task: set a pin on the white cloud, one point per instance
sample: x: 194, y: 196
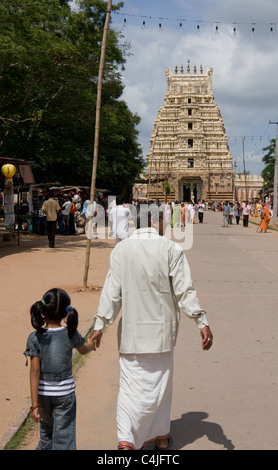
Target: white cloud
x: 245, y: 68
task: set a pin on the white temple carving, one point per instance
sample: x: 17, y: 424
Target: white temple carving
x: 189, y: 150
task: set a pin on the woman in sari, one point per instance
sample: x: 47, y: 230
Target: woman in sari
x: 182, y: 214
x: 265, y: 218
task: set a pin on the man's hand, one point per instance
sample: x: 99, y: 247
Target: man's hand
x: 207, y: 338
x: 96, y: 336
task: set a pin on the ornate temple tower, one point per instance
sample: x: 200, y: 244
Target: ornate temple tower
x: 189, y: 150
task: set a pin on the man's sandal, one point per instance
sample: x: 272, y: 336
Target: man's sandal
x: 125, y: 446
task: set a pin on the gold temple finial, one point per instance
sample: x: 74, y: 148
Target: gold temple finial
x: 176, y: 69
x: 188, y: 66
x: 182, y: 70
x: 201, y: 69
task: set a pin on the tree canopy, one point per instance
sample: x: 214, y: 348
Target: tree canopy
x: 49, y: 59
x: 269, y: 160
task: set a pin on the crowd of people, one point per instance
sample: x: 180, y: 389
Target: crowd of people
x: 175, y: 214
x: 232, y: 212
x: 71, y: 214
x: 68, y: 214
x: 181, y: 213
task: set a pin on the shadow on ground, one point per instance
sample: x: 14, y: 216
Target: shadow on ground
x: 193, y: 426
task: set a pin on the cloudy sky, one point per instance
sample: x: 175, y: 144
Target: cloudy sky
x: 217, y: 34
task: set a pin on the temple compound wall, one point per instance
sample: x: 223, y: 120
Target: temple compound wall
x: 189, y: 155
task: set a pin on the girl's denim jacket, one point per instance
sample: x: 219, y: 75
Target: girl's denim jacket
x: 54, y: 348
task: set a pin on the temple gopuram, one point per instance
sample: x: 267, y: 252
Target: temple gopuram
x: 189, y: 157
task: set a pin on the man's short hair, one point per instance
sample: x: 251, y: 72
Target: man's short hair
x: 148, y: 215
x: 119, y: 200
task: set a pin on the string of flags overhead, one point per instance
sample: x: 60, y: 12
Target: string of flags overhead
x: 250, y: 138
x: 181, y: 21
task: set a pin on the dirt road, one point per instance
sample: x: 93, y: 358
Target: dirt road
x: 222, y: 399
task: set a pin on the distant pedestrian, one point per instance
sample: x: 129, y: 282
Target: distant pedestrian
x: 192, y: 212
x: 226, y: 213
x: 183, y: 214
x: 265, y: 218
x: 119, y: 218
x: 90, y: 210
x: 176, y: 215
x: 231, y: 214
x: 42, y: 226
x: 51, y: 382
x: 237, y: 213
x: 51, y: 208
x: 168, y: 214
x: 64, y: 219
x: 72, y: 217
x: 201, y: 208
x: 245, y: 213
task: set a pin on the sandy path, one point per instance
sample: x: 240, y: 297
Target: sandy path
x: 222, y: 399
x: 29, y: 270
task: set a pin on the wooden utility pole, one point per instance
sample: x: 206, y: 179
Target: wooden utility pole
x: 243, y: 156
x: 96, y: 143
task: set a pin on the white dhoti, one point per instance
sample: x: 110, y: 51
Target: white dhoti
x: 145, y: 396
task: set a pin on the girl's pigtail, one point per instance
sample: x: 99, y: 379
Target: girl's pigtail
x: 37, y: 319
x: 72, y: 320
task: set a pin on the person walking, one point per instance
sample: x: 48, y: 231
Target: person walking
x: 176, y: 215
x: 265, y: 218
x: 232, y: 213
x: 51, y: 382
x: 64, y: 219
x: 168, y: 213
x: 51, y: 208
x: 237, y: 213
x: 201, y: 208
x: 183, y: 214
x: 226, y: 213
x: 72, y: 217
x: 90, y: 210
x: 119, y: 217
x: 245, y: 213
x: 149, y: 279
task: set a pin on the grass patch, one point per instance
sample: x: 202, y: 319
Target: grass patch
x: 258, y: 224
x: 23, y: 436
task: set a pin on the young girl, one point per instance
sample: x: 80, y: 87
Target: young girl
x: 51, y: 381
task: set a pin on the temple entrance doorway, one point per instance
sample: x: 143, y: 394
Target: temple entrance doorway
x: 190, y: 193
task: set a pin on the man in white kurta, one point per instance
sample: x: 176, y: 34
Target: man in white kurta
x: 149, y: 280
x: 119, y: 217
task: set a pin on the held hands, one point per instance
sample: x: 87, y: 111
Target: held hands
x: 207, y: 338
x: 95, y: 338
x: 92, y: 343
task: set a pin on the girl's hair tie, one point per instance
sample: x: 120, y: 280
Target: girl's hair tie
x: 68, y: 307
x: 42, y: 301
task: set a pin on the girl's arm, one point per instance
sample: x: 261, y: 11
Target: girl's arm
x: 34, y: 387
x: 89, y: 346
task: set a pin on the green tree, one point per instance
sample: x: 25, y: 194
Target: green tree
x: 269, y: 160
x: 49, y: 58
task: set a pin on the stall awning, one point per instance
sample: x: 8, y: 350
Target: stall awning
x: 24, y: 170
